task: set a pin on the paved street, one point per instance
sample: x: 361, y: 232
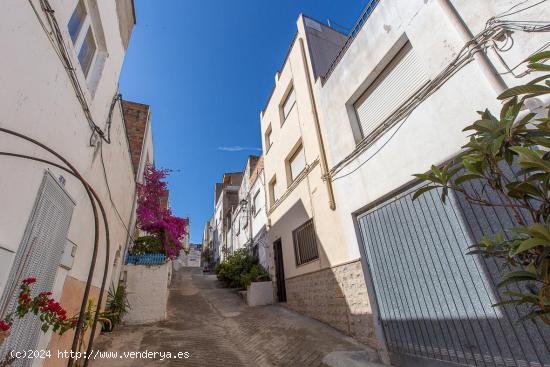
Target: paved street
x: 217, y: 329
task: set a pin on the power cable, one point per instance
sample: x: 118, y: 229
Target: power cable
x: 55, y: 36
x: 479, y: 43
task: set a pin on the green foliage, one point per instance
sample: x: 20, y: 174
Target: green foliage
x: 239, y: 269
x: 513, y: 141
x: 256, y: 274
x: 147, y: 245
x: 117, y: 305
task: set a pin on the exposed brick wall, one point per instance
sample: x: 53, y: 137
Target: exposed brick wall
x: 136, y: 116
x: 336, y: 296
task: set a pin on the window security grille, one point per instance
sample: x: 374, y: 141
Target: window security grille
x: 305, y: 243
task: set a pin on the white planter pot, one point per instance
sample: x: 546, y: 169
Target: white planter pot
x: 259, y: 293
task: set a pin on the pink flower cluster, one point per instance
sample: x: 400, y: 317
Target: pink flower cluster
x: 153, y: 214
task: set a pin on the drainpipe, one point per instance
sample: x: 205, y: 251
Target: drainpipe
x: 489, y: 71
x: 323, y: 158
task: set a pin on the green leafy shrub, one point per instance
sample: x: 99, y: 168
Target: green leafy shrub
x: 256, y: 274
x: 147, y: 245
x: 517, y: 142
x: 234, y: 266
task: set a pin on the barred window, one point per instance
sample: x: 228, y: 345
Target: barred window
x: 305, y: 243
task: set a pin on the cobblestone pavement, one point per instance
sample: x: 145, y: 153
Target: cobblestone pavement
x: 216, y: 328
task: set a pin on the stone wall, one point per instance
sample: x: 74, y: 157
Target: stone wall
x: 336, y: 296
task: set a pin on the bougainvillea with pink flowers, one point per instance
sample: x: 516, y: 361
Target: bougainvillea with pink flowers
x: 154, y: 216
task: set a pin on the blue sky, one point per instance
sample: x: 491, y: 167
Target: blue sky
x: 206, y: 68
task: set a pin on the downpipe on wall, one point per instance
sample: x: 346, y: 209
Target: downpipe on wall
x: 489, y: 71
x: 323, y: 155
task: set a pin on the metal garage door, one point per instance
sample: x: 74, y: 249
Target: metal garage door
x: 38, y: 255
x: 434, y: 302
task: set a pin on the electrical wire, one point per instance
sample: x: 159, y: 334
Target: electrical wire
x: 55, y: 36
x: 480, y: 43
x: 91, y: 195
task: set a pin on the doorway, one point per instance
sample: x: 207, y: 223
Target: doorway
x: 279, y: 270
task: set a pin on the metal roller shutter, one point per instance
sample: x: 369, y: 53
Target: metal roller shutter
x: 394, y: 86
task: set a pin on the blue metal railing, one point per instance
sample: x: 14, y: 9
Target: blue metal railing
x: 146, y: 259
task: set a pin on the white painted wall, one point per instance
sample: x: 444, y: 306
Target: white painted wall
x: 432, y: 134
x: 37, y: 99
x: 147, y: 292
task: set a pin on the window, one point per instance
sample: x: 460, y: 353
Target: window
x: 87, y: 52
x: 257, y: 205
x: 400, y: 79
x: 289, y: 103
x: 274, y: 195
x: 77, y: 20
x: 268, y: 141
x: 88, y: 40
x: 305, y: 243
x: 297, y: 163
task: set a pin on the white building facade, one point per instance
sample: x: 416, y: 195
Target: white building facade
x: 395, y: 101
x: 60, y: 87
x: 249, y: 219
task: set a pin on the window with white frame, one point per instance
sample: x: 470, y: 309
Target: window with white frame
x: 288, y: 104
x: 297, y: 163
x: 87, y: 52
x: 257, y: 203
x: 77, y: 20
x: 268, y: 140
x: 82, y: 36
x: 273, y: 194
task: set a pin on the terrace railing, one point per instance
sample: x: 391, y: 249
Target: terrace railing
x: 369, y: 8
x: 146, y: 259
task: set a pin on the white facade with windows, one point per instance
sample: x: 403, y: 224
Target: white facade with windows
x: 395, y: 102
x: 249, y: 219
x: 50, y: 212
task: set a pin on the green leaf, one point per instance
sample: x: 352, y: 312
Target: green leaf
x: 539, y: 79
x: 422, y: 191
x: 529, y: 244
x: 539, y: 67
x: 524, y: 89
x: 539, y: 56
x: 517, y: 276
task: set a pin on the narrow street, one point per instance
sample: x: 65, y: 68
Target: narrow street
x: 216, y: 328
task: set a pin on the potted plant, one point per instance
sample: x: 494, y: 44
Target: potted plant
x: 117, y: 306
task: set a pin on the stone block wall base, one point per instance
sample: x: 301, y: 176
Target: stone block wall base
x: 338, y: 297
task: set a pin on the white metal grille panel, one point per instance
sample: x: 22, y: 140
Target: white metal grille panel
x: 401, y: 79
x: 38, y: 255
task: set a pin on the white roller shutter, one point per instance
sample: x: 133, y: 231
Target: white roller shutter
x: 393, y: 87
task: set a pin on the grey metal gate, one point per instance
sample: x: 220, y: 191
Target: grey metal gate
x: 38, y: 255
x: 435, y: 302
